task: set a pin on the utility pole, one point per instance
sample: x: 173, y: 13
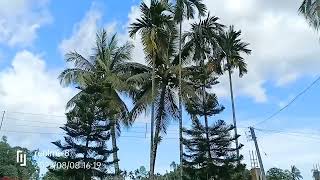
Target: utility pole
x: 2, y: 119
x: 254, y: 138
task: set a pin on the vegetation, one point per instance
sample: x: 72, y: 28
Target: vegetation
x: 310, y: 10
x: 209, y: 153
x: 167, y: 75
x: 184, y: 9
x: 103, y: 67
x: 181, y: 70
x: 10, y: 168
x: 85, y: 152
x: 276, y: 174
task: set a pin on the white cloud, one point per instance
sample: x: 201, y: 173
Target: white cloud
x: 84, y: 33
x: 286, y: 149
x: 137, y: 53
x: 284, y: 47
x: 21, y: 19
x: 28, y: 86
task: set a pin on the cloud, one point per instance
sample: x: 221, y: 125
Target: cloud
x: 21, y: 19
x: 285, y: 149
x: 84, y: 33
x: 137, y: 53
x: 28, y: 86
x: 280, y: 55
x: 284, y: 47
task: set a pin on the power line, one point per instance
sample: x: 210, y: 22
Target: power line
x: 296, y: 134
x: 12, y: 118
x: 53, y: 133
x: 23, y: 120
x: 291, y: 102
x: 37, y: 114
x: 283, y: 131
x: 127, y: 130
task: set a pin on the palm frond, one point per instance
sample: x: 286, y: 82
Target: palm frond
x: 310, y: 9
x: 187, y: 9
x: 79, y: 61
x: 74, y: 76
x: 121, y: 54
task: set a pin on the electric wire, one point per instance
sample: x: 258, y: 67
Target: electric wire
x: 290, y: 102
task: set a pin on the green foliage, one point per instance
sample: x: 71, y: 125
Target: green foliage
x: 9, y: 166
x: 310, y: 10
x: 212, y: 157
x: 85, y: 144
x: 104, y: 69
x: 280, y: 174
x: 159, y: 36
x: 186, y: 9
x: 295, y: 173
x: 50, y: 176
x: 232, y: 48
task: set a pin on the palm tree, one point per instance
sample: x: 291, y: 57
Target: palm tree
x: 232, y: 48
x: 102, y: 68
x: 159, y: 36
x: 295, y: 173
x: 202, y: 38
x: 184, y: 9
x: 310, y: 9
x: 166, y: 86
x: 152, y: 25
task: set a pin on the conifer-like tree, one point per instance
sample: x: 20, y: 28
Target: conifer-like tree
x: 85, y: 151
x: 209, y: 151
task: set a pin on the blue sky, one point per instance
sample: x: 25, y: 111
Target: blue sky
x: 34, y: 35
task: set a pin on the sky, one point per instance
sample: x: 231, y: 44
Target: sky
x: 35, y: 35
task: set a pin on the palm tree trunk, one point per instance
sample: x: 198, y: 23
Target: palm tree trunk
x: 207, y: 133
x: 158, y: 124
x: 206, y: 118
x: 85, y: 156
x: 115, y: 149
x: 233, y: 109
x: 180, y: 103
x: 152, y: 118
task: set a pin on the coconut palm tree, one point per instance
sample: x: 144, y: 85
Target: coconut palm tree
x: 310, y: 9
x: 153, y: 23
x: 184, y: 9
x: 231, y: 58
x: 102, y: 68
x: 159, y: 37
x: 166, y: 88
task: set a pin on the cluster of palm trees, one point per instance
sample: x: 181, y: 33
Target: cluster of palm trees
x: 168, y: 82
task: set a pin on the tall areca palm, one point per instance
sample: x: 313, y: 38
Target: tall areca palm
x: 159, y: 36
x: 311, y: 11
x: 184, y: 9
x: 101, y: 68
x: 152, y: 26
x: 203, y: 39
x: 232, y: 48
